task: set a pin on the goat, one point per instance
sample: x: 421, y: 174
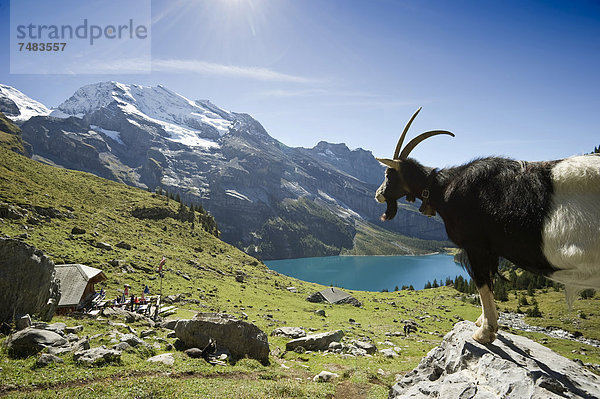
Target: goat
x: 542, y: 216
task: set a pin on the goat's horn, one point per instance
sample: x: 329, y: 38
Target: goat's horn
x: 413, y: 143
x: 399, y: 145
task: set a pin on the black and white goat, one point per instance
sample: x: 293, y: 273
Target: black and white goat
x: 542, y: 216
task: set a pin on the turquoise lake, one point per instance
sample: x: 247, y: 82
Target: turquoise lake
x: 370, y: 273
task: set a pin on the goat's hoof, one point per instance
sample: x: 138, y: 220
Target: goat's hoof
x: 484, y: 335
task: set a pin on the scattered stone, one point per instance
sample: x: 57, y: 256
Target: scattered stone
x: 77, y: 230
x: 389, y: 353
x: 186, y: 277
x: 165, y: 358
x: 289, y: 332
x: 316, y: 342
x: 320, y: 312
x: 366, y: 346
x: 47, y: 359
x: 123, y: 245
x: 30, y: 341
x: 74, y: 330
x: 19, y: 262
x: 169, y: 324
x: 23, y: 322
x: 238, y: 337
x: 122, y: 346
x: 97, y: 356
x: 512, y: 367
x: 147, y: 333
x: 335, y: 346
x: 116, y: 262
x: 292, y: 289
x: 103, y: 245
x: 132, y: 340
x: 325, y: 376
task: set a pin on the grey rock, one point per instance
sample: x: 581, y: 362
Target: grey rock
x: 325, y: 376
x: 165, y: 358
x: 58, y: 328
x: 316, y: 342
x: 103, y: 245
x: 28, y: 284
x: 123, y: 245
x: 147, y: 333
x: 23, y: 322
x: 335, y: 346
x: 366, y: 346
x: 74, y: 330
x: 122, y: 346
x: 289, y: 332
x: 512, y: 367
x: 96, y: 356
x: 388, y: 352
x: 169, y: 324
x: 31, y: 341
x: 238, y: 337
x: 132, y: 340
x: 320, y: 312
x: 77, y: 230
x: 47, y: 359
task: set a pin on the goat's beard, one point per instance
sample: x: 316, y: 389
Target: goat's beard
x: 390, y: 212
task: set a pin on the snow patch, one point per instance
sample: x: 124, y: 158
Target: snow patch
x: 27, y: 106
x: 116, y: 136
x: 238, y: 195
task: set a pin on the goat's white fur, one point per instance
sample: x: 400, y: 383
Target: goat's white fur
x: 571, y: 232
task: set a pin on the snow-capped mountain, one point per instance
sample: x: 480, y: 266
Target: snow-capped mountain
x: 268, y: 199
x: 17, y: 106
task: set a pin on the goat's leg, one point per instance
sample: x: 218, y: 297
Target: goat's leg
x: 488, y: 321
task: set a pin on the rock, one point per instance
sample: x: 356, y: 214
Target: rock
x: 238, y: 337
x: 389, y: 353
x: 289, y: 332
x: 8, y: 211
x: 47, y: 359
x: 194, y: 353
x: 116, y: 262
x: 74, y: 329
x: 366, y: 346
x: 97, y: 356
x: 123, y: 245
x: 169, y: 324
x: 320, y: 312
x: 165, y: 358
x: 122, y: 346
x: 316, y: 342
x: 77, y: 230
x: 31, y: 341
x: 132, y: 340
x: 293, y: 290
x: 28, y: 284
x: 103, y: 245
x: 335, y: 346
x: 325, y: 376
x: 23, y: 322
x: 511, y: 367
x: 58, y: 328
x: 147, y: 333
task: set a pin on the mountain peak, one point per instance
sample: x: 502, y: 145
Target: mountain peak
x: 19, y: 107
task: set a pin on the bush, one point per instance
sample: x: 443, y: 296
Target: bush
x: 534, y: 312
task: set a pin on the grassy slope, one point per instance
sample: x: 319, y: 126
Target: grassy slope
x: 103, y: 209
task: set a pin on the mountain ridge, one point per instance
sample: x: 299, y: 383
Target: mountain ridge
x: 152, y: 137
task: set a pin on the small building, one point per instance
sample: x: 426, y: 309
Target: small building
x: 333, y: 295
x: 76, y: 284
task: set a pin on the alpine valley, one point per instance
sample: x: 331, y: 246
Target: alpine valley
x: 270, y: 200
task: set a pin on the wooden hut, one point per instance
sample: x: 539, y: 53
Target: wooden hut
x: 76, y: 285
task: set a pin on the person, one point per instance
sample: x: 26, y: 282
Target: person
x: 131, y: 300
x: 146, y: 290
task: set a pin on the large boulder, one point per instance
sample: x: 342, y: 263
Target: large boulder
x: 238, y: 337
x: 511, y: 367
x: 27, y: 282
x: 30, y: 341
x: 97, y: 356
x: 315, y: 342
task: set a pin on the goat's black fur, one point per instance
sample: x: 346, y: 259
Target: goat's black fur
x: 491, y: 207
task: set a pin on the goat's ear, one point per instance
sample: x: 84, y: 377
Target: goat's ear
x: 391, y: 163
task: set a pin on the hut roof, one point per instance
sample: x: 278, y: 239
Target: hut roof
x: 333, y: 295
x: 73, y: 280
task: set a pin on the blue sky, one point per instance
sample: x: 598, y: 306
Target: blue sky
x: 510, y: 78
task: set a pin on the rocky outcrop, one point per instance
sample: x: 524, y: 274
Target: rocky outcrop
x: 27, y: 282
x: 239, y: 338
x: 289, y: 332
x: 97, y: 356
x: 315, y: 342
x: 30, y: 341
x: 511, y: 367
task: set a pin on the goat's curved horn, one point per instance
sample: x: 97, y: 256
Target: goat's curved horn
x: 403, y: 135
x: 413, y: 143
